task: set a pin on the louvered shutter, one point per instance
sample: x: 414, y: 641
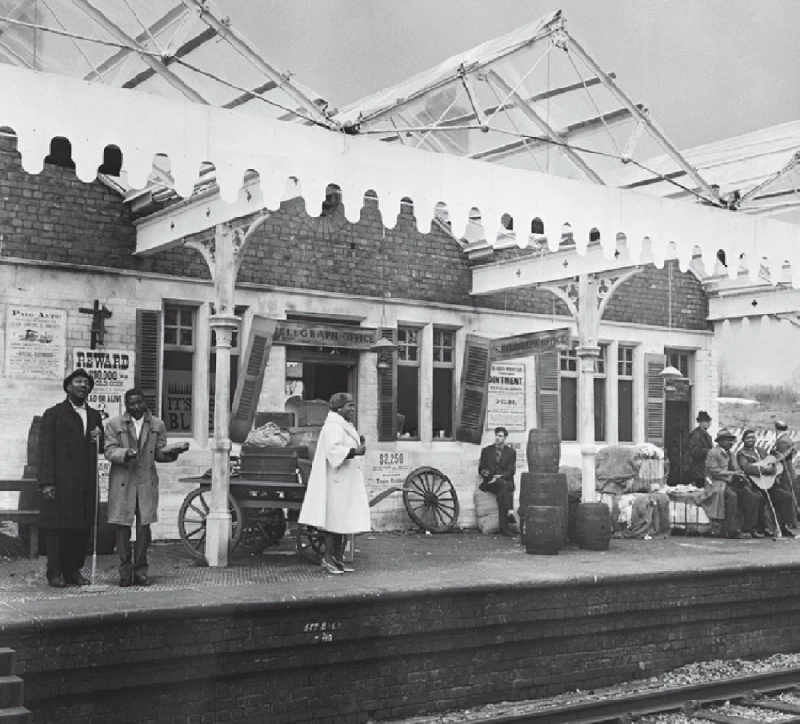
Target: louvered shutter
x: 387, y: 393
x: 654, y: 394
x: 251, y: 377
x: 471, y: 410
x: 548, y: 392
x: 148, y: 360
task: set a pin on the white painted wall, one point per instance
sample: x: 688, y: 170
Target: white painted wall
x: 124, y: 292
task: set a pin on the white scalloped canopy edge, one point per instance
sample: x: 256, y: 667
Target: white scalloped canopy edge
x: 93, y: 116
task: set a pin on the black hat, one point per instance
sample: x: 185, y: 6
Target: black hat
x: 80, y: 372
x: 703, y: 416
x: 780, y: 425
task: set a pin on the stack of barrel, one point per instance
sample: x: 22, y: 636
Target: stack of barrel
x: 544, y: 502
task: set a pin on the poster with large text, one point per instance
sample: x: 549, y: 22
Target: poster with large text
x: 505, y: 404
x: 386, y: 469
x: 36, y: 342
x: 113, y: 372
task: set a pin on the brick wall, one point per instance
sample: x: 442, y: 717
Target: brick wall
x: 55, y: 217
x: 379, y: 657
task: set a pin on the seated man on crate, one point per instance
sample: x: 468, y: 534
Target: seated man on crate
x: 497, y: 467
x: 730, y: 502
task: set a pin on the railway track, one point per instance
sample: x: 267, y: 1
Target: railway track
x: 718, y: 701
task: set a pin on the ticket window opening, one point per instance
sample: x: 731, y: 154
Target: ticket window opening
x: 315, y: 380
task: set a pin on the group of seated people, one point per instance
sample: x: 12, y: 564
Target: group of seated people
x: 749, y: 494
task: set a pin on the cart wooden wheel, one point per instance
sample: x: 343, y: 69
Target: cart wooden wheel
x: 310, y: 543
x: 192, y: 521
x: 263, y: 527
x: 430, y: 499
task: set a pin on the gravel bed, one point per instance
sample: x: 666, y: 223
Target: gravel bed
x: 696, y: 673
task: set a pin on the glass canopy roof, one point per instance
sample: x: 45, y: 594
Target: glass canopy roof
x: 178, y: 48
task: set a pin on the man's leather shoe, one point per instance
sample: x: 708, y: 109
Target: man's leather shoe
x: 58, y: 581
x: 141, y: 580
x: 124, y: 582
x: 77, y: 579
x: 756, y: 534
x: 787, y: 533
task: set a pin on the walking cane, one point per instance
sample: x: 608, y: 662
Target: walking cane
x: 95, y: 587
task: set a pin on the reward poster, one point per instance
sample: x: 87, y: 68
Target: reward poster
x: 112, y: 371
x: 36, y: 342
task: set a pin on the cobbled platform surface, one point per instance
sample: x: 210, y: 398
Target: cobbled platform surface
x: 386, y: 563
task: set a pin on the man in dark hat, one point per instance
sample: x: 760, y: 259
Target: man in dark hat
x: 70, y: 435
x: 699, y: 445
x: 730, y: 501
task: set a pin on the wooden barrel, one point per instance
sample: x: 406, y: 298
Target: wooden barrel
x: 544, y: 529
x: 593, y: 526
x: 547, y: 489
x: 543, y: 450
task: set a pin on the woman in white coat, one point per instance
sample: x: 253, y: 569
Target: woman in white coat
x: 336, y: 497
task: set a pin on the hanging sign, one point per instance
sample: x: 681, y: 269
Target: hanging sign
x: 505, y: 404
x: 112, y: 372
x: 525, y: 345
x: 36, y: 342
x: 307, y: 334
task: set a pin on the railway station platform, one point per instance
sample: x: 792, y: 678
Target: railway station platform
x: 428, y: 623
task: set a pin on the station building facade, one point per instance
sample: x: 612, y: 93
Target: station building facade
x: 333, y: 286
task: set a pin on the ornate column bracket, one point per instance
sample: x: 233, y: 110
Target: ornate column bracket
x: 607, y: 284
x: 223, y: 253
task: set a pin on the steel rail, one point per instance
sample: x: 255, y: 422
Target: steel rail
x: 651, y: 702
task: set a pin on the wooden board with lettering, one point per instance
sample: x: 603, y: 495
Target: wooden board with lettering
x: 532, y: 343
x: 306, y: 334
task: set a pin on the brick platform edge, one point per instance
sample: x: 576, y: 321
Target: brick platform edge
x: 348, y: 659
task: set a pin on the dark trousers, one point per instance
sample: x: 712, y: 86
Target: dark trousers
x: 742, y: 507
x: 783, y: 503
x: 504, y: 490
x: 133, y: 562
x: 66, y: 551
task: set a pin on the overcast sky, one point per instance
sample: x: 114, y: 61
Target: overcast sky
x: 707, y: 69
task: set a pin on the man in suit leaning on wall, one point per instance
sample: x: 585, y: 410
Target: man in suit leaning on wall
x: 497, y: 467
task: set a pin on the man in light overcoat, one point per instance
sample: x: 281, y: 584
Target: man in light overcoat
x: 134, y: 442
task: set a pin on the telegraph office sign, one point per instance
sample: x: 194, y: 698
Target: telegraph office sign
x: 308, y: 334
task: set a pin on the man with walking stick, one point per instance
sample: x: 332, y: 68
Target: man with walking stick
x: 135, y: 442
x: 70, y: 434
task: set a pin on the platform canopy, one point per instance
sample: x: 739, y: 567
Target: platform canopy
x: 758, y: 173
x: 173, y: 130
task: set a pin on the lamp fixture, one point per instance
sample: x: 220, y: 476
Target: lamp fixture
x: 383, y: 344
x: 670, y: 373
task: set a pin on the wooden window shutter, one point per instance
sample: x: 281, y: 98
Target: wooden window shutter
x: 548, y: 392
x: 148, y: 359
x: 387, y: 394
x: 654, y: 394
x: 251, y: 377
x: 471, y: 410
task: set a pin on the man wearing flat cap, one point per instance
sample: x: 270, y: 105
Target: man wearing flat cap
x: 68, y: 443
x: 784, y: 450
x: 729, y: 501
x: 699, y: 444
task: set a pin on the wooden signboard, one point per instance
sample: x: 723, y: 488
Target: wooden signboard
x: 525, y: 345
x: 308, y: 334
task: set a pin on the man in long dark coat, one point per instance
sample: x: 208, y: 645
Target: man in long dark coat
x: 70, y: 434
x: 699, y: 444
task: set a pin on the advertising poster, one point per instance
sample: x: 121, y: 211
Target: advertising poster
x: 506, y: 399
x: 386, y: 469
x: 113, y: 372
x: 36, y: 342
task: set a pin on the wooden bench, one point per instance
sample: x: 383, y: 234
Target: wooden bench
x: 23, y: 518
